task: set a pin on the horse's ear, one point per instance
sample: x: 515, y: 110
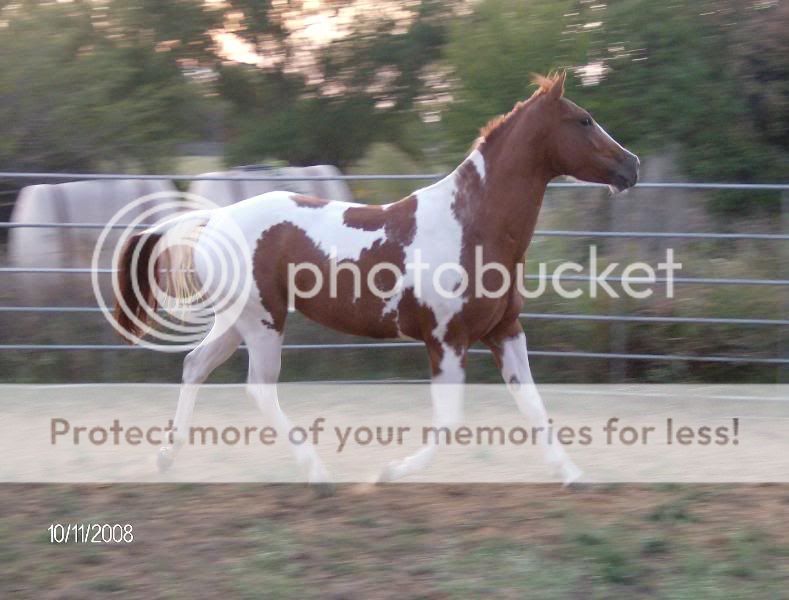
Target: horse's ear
x: 557, y: 89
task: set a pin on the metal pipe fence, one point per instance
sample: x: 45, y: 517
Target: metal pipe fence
x: 538, y: 232
x: 528, y: 315
x: 238, y: 176
x: 253, y: 175
x: 404, y: 345
x: 576, y: 278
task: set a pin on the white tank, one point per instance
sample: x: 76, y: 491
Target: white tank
x: 236, y: 188
x: 73, y: 202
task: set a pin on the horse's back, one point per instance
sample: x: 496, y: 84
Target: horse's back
x: 323, y: 220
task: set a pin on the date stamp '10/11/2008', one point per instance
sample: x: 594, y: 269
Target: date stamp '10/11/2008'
x: 91, y: 533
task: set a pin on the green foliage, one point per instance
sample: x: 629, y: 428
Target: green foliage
x: 493, y: 53
x: 277, y: 115
x: 685, y: 88
x: 383, y: 158
x: 358, y: 90
x: 75, y: 97
x: 676, y: 72
x: 105, y: 83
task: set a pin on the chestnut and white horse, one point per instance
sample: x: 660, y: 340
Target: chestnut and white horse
x: 489, y: 204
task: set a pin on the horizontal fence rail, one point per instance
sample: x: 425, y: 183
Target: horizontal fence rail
x: 395, y: 345
x: 549, y: 316
x: 537, y: 232
x: 577, y: 278
x: 241, y: 176
x: 552, y: 316
x: 260, y: 175
x: 651, y: 319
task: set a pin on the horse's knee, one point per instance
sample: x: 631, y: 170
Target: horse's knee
x: 193, y: 369
x: 265, y: 396
x: 264, y: 372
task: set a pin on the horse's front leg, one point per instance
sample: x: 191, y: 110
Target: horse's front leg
x: 446, y: 391
x: 509, y: 349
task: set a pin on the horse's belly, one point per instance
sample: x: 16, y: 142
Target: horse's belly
x: 363, y: 317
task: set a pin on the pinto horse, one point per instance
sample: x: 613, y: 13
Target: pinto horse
x: 489, y: 205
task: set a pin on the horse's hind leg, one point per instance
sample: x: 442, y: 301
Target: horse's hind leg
x: 265, y: 349
x: 198, y: 365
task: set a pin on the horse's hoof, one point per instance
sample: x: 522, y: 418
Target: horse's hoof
x: 164, y: 459
x: 323, y: 489
x: 363, y: 489
x: 386, y: 475
x: 577, y: 486
x: 570, y: 474
x: 573, y: 479
x: 397, y: 469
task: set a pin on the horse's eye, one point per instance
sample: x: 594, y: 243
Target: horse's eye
x: 587, y: 121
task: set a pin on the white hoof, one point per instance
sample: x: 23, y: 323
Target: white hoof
x: 570, y: 473
x: 390, y: 472
x: 320, y: 480
x: 165, y: 458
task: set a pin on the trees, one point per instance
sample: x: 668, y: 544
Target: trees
x: 79, y: 94
x: 92, y: 84
x: 690, y: 72
x: 356, y: 90
x: 492, y: 53
x: 278, y: 115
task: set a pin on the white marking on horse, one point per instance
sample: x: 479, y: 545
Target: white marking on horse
x: 325, y: 227
x: 438, y: 241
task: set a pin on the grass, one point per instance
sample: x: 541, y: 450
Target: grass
x: 413, y: 541
x: 272, y: 568
x: 675, y: 511
x: 504, y: 568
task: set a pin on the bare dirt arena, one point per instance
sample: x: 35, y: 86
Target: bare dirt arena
x: 400, y: 540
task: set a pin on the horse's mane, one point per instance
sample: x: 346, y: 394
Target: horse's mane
x: 545, y: 84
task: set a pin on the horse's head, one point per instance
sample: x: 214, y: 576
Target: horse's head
x: 576, y: 144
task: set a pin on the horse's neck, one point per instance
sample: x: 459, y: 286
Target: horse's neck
x: 496, y: 200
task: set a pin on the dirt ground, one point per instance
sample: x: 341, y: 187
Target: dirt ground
x: 400, y: 540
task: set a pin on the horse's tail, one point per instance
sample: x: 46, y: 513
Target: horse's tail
x: 141, y: 266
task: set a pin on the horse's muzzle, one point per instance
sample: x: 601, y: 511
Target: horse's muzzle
x: 625, y: 175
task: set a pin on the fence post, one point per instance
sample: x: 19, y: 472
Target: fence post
x: 783, y: 345
x: 618, y: 220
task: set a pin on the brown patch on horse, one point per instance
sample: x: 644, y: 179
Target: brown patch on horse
x: 368, y: 218
x: 469, y: 191
x: 286, y: 243
x: 418, y: 321
x: 398, y: 219
x: 308, y: 201
x: 401, y: 227
x: 270, y: 275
